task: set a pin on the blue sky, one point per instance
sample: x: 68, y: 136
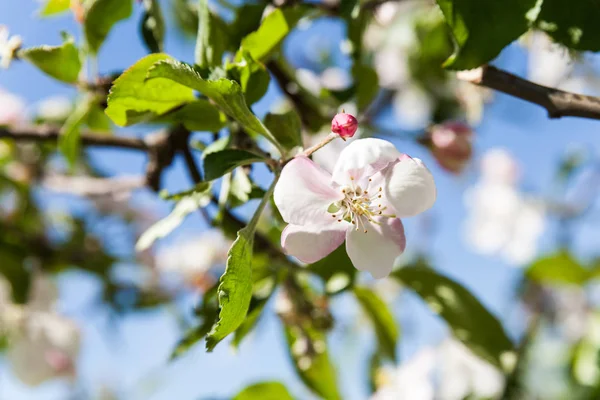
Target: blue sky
x: 133, y: 358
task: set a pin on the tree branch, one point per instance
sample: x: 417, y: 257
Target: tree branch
x: 41, y: 133
x: 558, y: 103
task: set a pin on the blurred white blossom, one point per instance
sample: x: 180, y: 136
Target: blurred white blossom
x: 549, y: 63
x: 12, y: 108
x: 44, y: 346
x: 449, y: 371
x: 413, y: 107
x: 332, y: 78
x: 55, y: 108
x: 501, y: 219
x: 193, y: 257
x: 8, y: 46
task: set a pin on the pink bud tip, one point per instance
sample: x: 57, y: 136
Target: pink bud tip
x: 344, y: 125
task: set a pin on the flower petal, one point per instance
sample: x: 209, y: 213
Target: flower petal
x: 376, y: 250
x: 363, y: 158
x: 410, y: 187
x: 303, y: 193
x: 312, y: 243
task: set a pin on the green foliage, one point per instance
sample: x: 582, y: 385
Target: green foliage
x: 286, y: 127
x: 100, y: 17
x: 273, y: 29
x: 152, y: 26
x: 576, y: 27
x: 69, y: 141
x: 211, y: 39
x: 219, y: 163
x: 469, y: 320
x: 133, y: 99
x: 235, y: 285
x: 559, y: 268
x: 336, y: 270
x: 198, y: 115
x: 60, y: 62
x: 226, y: 93
x: 314, y: 367
x: 53, y: 7
x: 264, y: 391
x: 482, y: 28
x: 247, y: 20
x: 366, y: 85
x: 185, y: 206
x: 382, y: 319
x: 251, y: 75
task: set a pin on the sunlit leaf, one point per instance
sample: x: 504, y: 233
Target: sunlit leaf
x: 100, y: 17
x: 199, y: 115
x: 60, y: 62
x: 133, y: 99
x: 382, y: 319
x: 469, y: 320
x: 226, y: 93
x: 53, y: 7
x: 286, y: 127
x: 559, y: 268
x: 182, y: 209
x: 252, y: 76
x: 264, y: 391
x: 69, y: 140
x: 210, y: 40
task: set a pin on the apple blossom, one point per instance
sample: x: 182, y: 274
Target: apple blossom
x: 451, y: 145
x: 372, y: 186
x: 12, y: 108
x: 8, y: 46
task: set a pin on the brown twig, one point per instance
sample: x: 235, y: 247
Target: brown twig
x: 40, y: 133
x: 558, y: 103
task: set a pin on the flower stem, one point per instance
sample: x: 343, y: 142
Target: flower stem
x: 308, y: 152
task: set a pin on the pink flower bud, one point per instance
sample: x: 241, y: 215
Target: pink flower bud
x: 451, y: 145
x: 344, y: 125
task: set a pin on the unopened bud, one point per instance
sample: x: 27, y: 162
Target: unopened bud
x: 345, y: 125
x: 451, y: 145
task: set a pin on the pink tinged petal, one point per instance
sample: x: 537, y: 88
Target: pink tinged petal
x: 410, y: 187
x: 303, y: 193
x: 362, y: 159
x: 309, y: 244
x: 377, y: 250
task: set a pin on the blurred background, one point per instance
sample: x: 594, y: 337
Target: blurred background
x: 514, y: 223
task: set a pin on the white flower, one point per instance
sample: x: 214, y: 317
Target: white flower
x: 45, y: 347
x: 549, y: 63
x: 463, y: 374
x: 8, y: 46
x: 12, y: 108
x: 412, y: 380
x: 413, y: 107
x: 372, y: 186
x: 501, y: 219
x: 55, y: 108
x: 193, y: 257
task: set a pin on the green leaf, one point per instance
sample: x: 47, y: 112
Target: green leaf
x: 182, y: 209
x: 132, y: 99
x: 257, y: 303
x: 366, y: 85
x: 69, y: 140
x: 252, y: 76
x: 382, y: 319
x: 152, y: 26
x: 226, y: 93
x: 336, y: 269
x: 574, y: 24
x: 199, y: 115
x: 211, y: 39
x: 482, y: 28
x: 235, y: 287
x: 469, y: 320
x: 273, y: 29
x: 315, y: 370
x: 219, y: 163
x: 559, y: 268
x: 201, y: 187
x: 97, y: 120
x: 53, y: 7
x: 100, y: 17
x: 247, y: 20
x: 60, y: 62
x: 286, y: 127
x: 264, y: 391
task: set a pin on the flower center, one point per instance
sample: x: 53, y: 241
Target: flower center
x: 360, y: 206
